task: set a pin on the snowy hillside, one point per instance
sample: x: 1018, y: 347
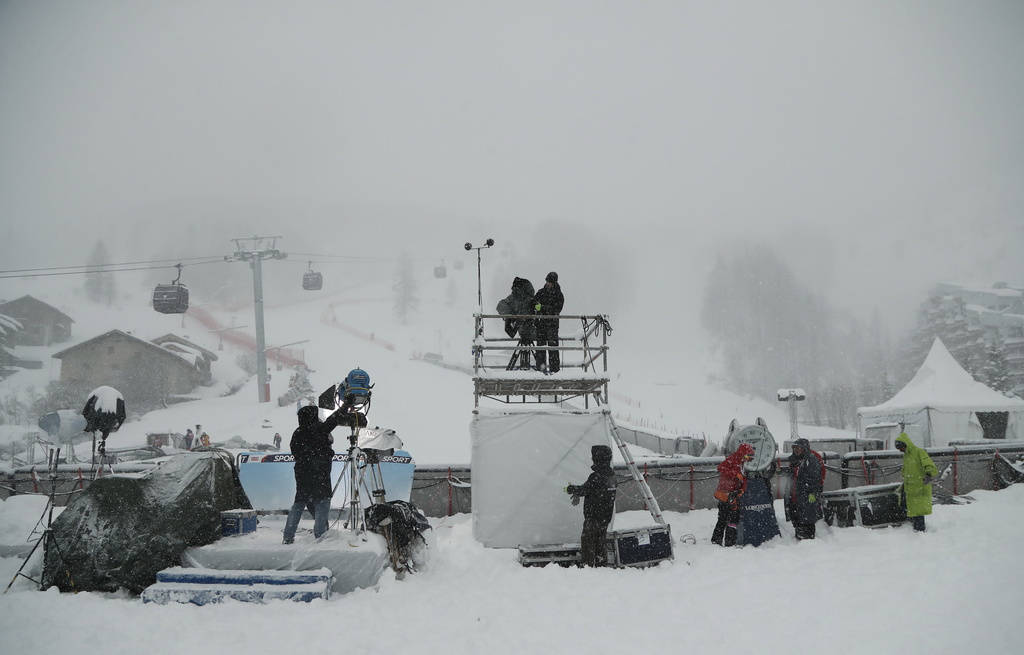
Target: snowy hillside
x: 429, y: 406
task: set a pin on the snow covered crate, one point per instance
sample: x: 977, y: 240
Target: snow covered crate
x: 237, y: 521
x: 872, y: 506
x: 561, y: 554
x: 640, y: 546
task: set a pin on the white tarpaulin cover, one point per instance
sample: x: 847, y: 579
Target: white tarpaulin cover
x: 939, y: 404
x: 521, y: 462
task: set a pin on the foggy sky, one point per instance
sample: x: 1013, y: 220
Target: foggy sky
x: 878, y: 146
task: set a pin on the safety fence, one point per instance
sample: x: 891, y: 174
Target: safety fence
x: 678, y: 484
x: 686, y: 483
x: 283, y: 356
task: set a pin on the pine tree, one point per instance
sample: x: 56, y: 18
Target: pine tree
x: 99, y: 285
x: 995, y: 371
x: 405, y: 288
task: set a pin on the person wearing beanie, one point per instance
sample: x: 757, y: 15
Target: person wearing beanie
x: 548, y: 302
x: 803, y: 502
x: 598, y: 506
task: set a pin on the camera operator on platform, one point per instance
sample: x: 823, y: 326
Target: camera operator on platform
x: 311, y: 447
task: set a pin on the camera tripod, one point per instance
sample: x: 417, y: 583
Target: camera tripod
x: 357, y: 481
x: 360, y: 461
x: 47, y: 539
x: 521, y: 357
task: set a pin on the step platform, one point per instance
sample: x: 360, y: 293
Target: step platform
x: 544, y: 554
x: 355, y: 560
x: 205, y: 586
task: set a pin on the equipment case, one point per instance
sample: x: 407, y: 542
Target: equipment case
x: 639, y: 546
x: 870, y: 506
x: 237, y: 521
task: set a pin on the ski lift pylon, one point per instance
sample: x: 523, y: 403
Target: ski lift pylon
x: 171, y: 298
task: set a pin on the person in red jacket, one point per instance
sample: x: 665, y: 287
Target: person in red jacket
x: 732, y: 482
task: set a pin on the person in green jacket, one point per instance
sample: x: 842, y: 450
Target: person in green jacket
x: 918, y: 471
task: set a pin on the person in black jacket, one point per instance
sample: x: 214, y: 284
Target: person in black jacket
x: 311, y: 447
x: 598, y: 506
x: 548, y: 301
x: 803, y: 502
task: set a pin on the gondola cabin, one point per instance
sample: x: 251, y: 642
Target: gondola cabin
x: 170, y: 298
x: 440, y: 271
x: 312, y: 281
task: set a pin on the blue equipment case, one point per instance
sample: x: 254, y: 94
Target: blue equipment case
x: 237, y: 521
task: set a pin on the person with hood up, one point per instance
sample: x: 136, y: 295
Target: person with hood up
x: 520, y: 302
x: 918, y: 471
x: 732, y: 482
x: 548, y: 301
x: 598, y: 506
x: 189, y: 438
x: 803, y: 502
x: 311, y: 448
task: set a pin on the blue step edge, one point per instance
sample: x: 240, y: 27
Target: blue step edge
x: 242, y: 577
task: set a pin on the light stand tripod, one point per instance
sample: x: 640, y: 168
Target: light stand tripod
x: 104, y: 460
x: 46, y: 539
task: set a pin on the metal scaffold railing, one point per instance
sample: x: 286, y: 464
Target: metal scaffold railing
x: 501, y: 369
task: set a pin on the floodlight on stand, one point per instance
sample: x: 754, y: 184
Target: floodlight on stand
x: 479, y: 293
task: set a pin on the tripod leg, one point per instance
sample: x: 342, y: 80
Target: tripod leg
x: 21, y: 568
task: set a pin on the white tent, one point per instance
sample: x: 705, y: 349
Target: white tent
x: 942, y: 403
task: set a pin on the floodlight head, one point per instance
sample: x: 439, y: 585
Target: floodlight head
x: 489, y: 242
x: 791, y: 394
x: 469, y: 246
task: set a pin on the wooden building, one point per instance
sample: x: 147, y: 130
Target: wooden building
x: 143, y: 371
x: 41, y: 324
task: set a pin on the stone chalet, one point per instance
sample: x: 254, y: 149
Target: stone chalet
x: 135, y: 366
x: 41, y: 324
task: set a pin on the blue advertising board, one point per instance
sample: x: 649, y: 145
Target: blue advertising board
x: 269, y: 482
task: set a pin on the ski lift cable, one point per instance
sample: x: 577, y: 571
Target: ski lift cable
x: 4, y: 275
x: 100, y: 266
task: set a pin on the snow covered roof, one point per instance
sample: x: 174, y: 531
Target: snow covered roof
x: 177, y: 344
x: 942, y: 383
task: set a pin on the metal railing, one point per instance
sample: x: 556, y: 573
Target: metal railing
x: 498, y: 372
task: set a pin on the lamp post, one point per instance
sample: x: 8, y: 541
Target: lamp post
x: 791, y: 396
x: 479, y: 292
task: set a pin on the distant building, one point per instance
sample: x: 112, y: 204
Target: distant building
x: 143, y: 371
x: 183, y: 347
x: 41, y: 324
x: 991, y: 317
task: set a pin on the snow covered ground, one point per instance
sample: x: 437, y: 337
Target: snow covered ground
x: 955, y: 589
